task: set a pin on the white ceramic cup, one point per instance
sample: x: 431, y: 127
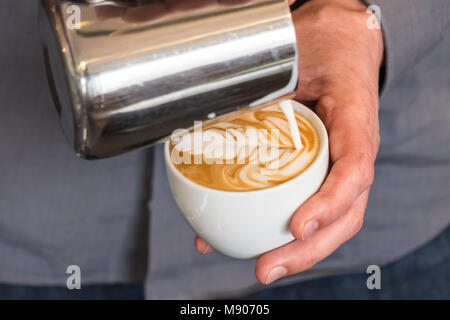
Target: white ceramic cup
x: 248, y: 223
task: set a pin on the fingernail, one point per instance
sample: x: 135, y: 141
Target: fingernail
x: 275, y: 274
x: 207, y: 250
x: 309, y: 229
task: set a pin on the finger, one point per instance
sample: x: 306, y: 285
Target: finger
x: 352, y: 156
x: 299, y: 255
x: 202, y: 247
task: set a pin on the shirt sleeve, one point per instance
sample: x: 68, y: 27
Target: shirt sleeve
x: 411, y: 28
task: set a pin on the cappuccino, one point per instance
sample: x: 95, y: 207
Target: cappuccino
x: 251, y: 152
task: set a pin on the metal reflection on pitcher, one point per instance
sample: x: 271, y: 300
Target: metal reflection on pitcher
x: 135, y: 71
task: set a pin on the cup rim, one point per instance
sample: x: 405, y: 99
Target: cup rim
x: 322, y: 152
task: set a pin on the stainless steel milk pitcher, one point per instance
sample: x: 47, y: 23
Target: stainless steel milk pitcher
x: 126, y: 74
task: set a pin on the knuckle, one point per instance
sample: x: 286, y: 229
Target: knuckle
x: 309, y: 259
x: 324, y: 14
x: 366, y: 171
x: 327, y: 208
x: 327, y: 109
x: 322, y: 200
x: 358, y: 222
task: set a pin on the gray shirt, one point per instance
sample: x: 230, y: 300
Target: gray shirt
x: 57, y: 210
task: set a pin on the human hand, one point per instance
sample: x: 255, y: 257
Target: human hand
x: 339, y: 61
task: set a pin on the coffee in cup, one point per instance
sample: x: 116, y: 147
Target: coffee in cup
x: 251, y: 152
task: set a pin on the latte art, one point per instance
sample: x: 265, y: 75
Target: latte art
x: 254, y: 151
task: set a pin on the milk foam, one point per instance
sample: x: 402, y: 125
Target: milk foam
x: 252, y: 152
